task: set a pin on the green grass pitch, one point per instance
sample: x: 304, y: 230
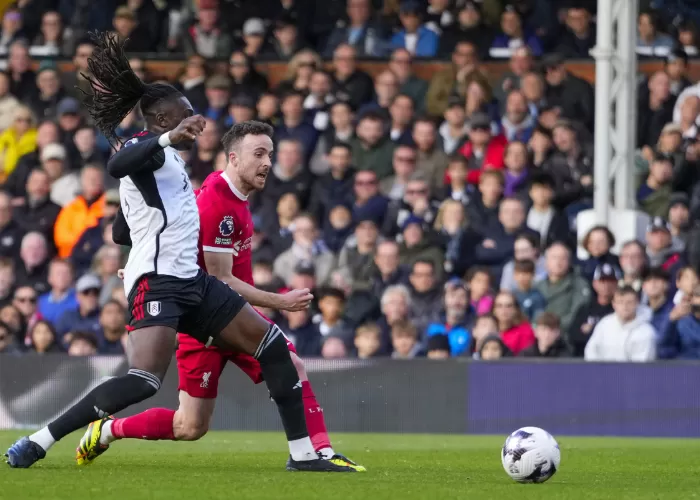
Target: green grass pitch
x: 237, y: 465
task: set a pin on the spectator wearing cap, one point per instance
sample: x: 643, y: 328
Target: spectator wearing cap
x: 17, y: 140
x: 33, y: 263
x: 92, y: 238
x: 681, y: 340
x: 579, y: 35
x: 11, y: 232
x: 81, y: 213
x: 372, y: 149
x: 351, y: 84
x: 61, y: 296
x: 549, y: 342
x: 453, y: 319
x: 571, y: 167
x: 679, y: 217
x: 401, y: 64
x: 218, y: 94
x: 356, y: 257
x: 245, y: 78
x: 454, y: 130
x: 483, y: 150
x: 650, y: 41
x: 662, y: 251
x: 416, y: 201
x: 65, y: 185
x: 293, y: 126
x: 359, y: 31
x: 604, y: 283
x: 469, y: 27
x: 663, y: 311
x: 386, y: 88
x: 654, y: 112
x: 654, y: 195
x: 404, y: 165
x: 454, y: 79
x: 624, y: 335
x: 517, y: 124
x: 438, y: 347
x: 286, y: 40
x: 8, y: 102
x: 425, y: 291
x: 415, y: 37
x: 69, y: 118
x: 306, y: 248
x: 254, y: 36
x: 334, y: 186
x: 50, y: 92
x: 19, y: 67
x: 512, y: 36
x: 598, y: 243
x: 565, y: 291
x: 205, y: 37
x: 85, y: 317
x: 37, y: 212
x: 571, y: 94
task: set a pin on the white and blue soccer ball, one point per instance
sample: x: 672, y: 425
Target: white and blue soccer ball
x: 530, y: 455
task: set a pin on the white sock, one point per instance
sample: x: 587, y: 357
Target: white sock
x: 43, y: 438
x: 327, y: 453
x: 107, y: 437
x: 302, y: 450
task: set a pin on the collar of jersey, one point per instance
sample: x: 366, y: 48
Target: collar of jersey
x: 233, y: 188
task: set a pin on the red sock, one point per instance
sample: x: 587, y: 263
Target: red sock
x: 315, y: 423
x: 153, y: 424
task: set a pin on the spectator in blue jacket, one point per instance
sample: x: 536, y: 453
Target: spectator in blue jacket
x: 655, y: 289
x: 359, y: 31
x: 513, y: 36
x: 682, y: 338
x: 418, y: 39
x: 531, y: 301
x: 293, y: 126
x: 452, y: 322
x: 61, y: 298
x: 517, y: 123
x: 85, y: 317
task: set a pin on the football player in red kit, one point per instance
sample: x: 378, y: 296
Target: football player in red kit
x: 226, y: 230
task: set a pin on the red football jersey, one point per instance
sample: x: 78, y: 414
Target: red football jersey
x: 225, y: 224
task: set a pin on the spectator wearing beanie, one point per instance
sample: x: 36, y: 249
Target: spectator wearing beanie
x: 549, y: 343
x: 438, y: 347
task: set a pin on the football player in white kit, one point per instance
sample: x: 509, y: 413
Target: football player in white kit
x: 167, y: 290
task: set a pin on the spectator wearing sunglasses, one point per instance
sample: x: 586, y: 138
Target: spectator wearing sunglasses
x: 85, y: 317
x: 25, y: 300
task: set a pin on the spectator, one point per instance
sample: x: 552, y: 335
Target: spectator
x: 470, y: 27
x: 293, y: 126
x: 74, y: 82
x: 426, y: 296
x: 388, y: 271
x: 24, y: 300
x: 245, y: 78
x: 372, y: 149
x: 191, y: 82
x: 415, y: 37
x: 81, y: 213
x: 654, y: 112
x: 480, y: 293
x: 579, y: 36
x: 438, y: 347
x: 404, y: 340
x: 516, y: 172
x: 17, y: 140
x: 598, y: 242
x: 551, y: 224
x: 337, y: 227
x: 493, y: 349
x: 513, y: 35
x: 451, y: 322
x: 93, y: 238
x: 662, y: 251
x: 549, y: 342
x: 206, y: 37
x: 679, y: 217
x: 416, y: 201
x: 126, y: 26
x: 531, y: 301
x: 663, y: 310
x: 50, y: 92
x: 304, y: 333
x: 604, y: 280
x: 317, y: 103
x: 341, y: 129
x: 207, y: 145
x: 331, y: 303
x: 416, y: 246
x: 572, y: 95
x: 356, y: 258
x: 254, y: 32
x: 7, y: 280
x: 623, y: 335
x: 457, y: 188
x: 69, y: 118
x: 395, y: 306
x: 11, y: 29
x: 565, y: 292
x: 50, y: 41
x: 85, y: 317
x: 676, y: 68
x: 85, y: 147
x: 517, y: 123
x: 286, y: 41
x: 451, y: 227
x: 359, y: 32
x: 532, y: 86
x: 351, y: 84
x: 333, y: 348
x: 633, y: 264
x: 61, y: 297
x: 454, y: 130
x: 43, y: 338
x: 367, y: 340
x: 514, y: 329
x: 106, y: 263
x: 32, y: 269
x: 113, y: 331
x: 240, y: 109
x: 525, y: 247
x: 438, y: 16
x: 218, y: 93
x: 7, y: 343
x: 519, y: 64
x: 410, y: 85
x: 8, y: 103
x: 682, y: 337
x: 288, y: 176
x: 404, y: 165
x: 19, y: 67
x: 541, y: 143
x: 10, y: 231
x: 82, y: 344
x: 483, y: 150
x: 267, y: 108
x: 336, y: 185
x: 482, y: 209
x: 654, y: 195
x: 14, y: 320
x: 306, y: 248
x: 649, y: 41
x: 386, y: 88
x: 431, y: 160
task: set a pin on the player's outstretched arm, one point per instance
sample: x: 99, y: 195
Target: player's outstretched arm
x: 147, y: 155
x: 219, y: 264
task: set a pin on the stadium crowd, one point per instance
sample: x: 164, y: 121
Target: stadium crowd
x: 430, y: 217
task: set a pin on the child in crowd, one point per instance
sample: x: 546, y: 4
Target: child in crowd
x: 480, y: 297
x: 367, y: 340
x: 331, y: 303
x: 338, y: 227
x: 438, y: 347
x: 531, y: 302
x: 458, y: 189
x: 686, y: 281
x: 404, y: 339
x: 483, y: 327
x: 82, y: 344
x: 493, y: 349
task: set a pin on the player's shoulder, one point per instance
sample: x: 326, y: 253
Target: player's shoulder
x: 139, y: 137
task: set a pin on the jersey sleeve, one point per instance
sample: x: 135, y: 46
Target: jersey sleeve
x: 141, y: 153
x: 216, y: 225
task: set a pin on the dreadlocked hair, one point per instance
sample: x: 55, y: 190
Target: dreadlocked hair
x: 116, y: 89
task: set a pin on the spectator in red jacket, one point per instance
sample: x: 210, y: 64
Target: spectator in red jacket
x: 483, y: 150
x: 513, y: 325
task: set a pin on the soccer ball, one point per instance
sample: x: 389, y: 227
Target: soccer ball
x: 530, y: 455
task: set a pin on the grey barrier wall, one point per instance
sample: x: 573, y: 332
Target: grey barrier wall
x: 454, y: 396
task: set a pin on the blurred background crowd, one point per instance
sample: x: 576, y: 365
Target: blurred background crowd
x: 433, y: 216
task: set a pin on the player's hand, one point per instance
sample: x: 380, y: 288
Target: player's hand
x: 188, y: 130
x: 296, y: 300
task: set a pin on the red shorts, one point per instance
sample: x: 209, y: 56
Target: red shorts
x: 199, y: 367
